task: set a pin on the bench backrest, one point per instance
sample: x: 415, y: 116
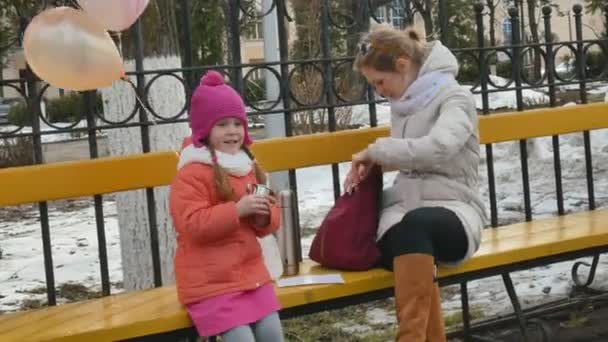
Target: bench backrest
x: 115, y: 174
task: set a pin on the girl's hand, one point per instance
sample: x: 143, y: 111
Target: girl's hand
x: 261, y: 221
x: 254, y: 205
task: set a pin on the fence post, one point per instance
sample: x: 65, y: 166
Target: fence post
x: 550, y: 62
x: 89, y: 105
x: 330, y: 96
x: 516, y: 61
x: 146, y: 147
x: 517, y: 74
x: 364, y: 27
x: 34, y: 96
x: 606, y: 20
x: 483, y: 65
x: 483, y: 81
x: 582, y: 76
x: 550, y: 70
x: 580, y: 52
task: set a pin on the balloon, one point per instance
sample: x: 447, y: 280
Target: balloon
x: 114, y: 15
x: 69, y: 50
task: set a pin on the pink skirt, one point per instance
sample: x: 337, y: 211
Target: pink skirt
x: 215, y: 315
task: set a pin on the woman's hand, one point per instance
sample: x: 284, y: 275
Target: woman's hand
x: 254, y: 205
x: 360, y: 168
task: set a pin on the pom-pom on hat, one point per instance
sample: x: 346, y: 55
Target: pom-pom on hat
x: 212, y: 101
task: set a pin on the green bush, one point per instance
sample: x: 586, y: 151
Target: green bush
x: 255, y: 90
x: 596, y: 63
x: 504, y: 69
x: 70, y: 108
x: 468, y: 73
x: 16, y: 152
x: 19, y: 115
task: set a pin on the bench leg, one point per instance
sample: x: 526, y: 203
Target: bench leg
x: 521, y: 319
x: 592, y: 269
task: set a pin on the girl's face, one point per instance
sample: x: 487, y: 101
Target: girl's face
x: 391, y: 84
x: 227, y: 135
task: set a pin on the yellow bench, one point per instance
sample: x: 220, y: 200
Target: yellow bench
x: 157, y: 311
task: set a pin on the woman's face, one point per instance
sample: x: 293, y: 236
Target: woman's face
x: 391, y: 84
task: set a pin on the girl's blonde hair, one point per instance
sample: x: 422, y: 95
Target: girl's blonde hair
x: 381, y: 47
x: 222, y: 183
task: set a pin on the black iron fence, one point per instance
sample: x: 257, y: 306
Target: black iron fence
x: 321, y: 83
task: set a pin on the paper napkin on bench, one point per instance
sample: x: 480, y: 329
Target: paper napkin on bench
x: 311, y: 280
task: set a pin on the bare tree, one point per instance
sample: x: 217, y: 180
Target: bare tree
x: 492, y: 5
x: 533, y: 24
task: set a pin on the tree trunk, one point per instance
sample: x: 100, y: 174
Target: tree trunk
x: 362, y: 20
x: 535, y: 38
x: 426, y: 13
x: 492, y: 8
x: 166, y: 97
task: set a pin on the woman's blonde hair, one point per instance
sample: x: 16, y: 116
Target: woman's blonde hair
x: 381, y: 47
x: 222, y: 183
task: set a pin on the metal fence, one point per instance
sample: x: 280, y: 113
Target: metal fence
x: 330, y: 73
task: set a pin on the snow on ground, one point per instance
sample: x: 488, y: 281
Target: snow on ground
x: 508, y: 99
x: 74, y: 250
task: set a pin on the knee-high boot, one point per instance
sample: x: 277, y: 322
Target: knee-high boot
x: 414, y: 288
x: 435, y: 329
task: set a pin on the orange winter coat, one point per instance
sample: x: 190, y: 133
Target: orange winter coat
x: 217, y: 253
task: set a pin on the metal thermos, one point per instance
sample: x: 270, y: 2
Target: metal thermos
x: 258, y: 189
x: 288, y: 235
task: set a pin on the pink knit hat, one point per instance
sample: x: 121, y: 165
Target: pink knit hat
x: 212, y: 101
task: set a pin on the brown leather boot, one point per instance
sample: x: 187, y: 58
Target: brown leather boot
x: 435, y: 329
x: 414, y: 288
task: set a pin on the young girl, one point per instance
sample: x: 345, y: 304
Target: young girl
x: 433, y: 212
x: 220, y: 271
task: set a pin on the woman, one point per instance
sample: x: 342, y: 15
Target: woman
x: 432, y: 213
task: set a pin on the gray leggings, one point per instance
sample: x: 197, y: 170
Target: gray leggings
x: 268, y: 329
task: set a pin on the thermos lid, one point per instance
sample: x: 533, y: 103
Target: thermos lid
x: 285, y: 198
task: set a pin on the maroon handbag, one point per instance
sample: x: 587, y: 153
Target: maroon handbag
x: 346, y: 239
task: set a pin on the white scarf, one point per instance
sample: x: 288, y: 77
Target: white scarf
x: 420, y: 93
x: 235, y: 164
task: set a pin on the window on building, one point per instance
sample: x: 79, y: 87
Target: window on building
x: 255, y: 30
x: 397, y: 13
x: 381, y: 14
x: 257, y: 74
x: 393, y: 14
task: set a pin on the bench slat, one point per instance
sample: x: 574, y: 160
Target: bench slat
x: 327, y: 148
x: 543, y: 122
x: 54, y: 181
x: 155, y: 311
x: 113, y: 174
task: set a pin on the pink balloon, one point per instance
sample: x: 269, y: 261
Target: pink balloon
x: 114, y: 15
x: 69, y: 50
